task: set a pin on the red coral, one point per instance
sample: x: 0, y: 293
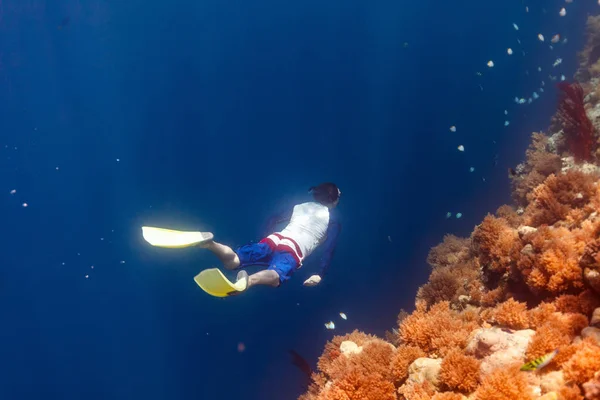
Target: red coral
x: 579, y: 131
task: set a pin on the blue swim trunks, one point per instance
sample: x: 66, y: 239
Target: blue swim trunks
x: 264, y: 253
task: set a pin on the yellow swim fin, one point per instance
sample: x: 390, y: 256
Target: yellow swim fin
x: 161, y: 237
x: 213, y: 282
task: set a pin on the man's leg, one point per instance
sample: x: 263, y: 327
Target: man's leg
x: 266, y: 277
x: 227, y: 256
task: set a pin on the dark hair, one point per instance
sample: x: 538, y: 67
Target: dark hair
x: 325, y: 193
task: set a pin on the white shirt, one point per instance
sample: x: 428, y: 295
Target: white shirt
x: 308, y: 226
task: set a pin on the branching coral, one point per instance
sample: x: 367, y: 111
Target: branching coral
x: 449, y: 283
x: 496, y: 244
x: 592, y: 387
x: 460, y: 372
x: 436, y: 331
x: 551, y: 263
x: 582, y: 366
x: 540, y: 163
x: 557, y: 332
x: 579, y: 131
x: 504, y: 384
x: 357, y: 385
x: 403, y: 357
x: 451, y: 251
x: 510, y: 314
x: 553, y: 200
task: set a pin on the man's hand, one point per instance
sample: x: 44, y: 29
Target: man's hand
x: 312, y: 281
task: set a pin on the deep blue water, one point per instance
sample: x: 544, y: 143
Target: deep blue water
x: 210, y: 115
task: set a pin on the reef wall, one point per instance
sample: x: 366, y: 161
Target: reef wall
x: 524, y: 284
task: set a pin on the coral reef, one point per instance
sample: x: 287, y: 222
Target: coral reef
x: 524, y: 284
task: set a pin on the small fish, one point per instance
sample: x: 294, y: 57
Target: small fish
x: 330, y: 325
x: 448, y: 214
x: 472, y: 169
x: 390, y: 239
x: 536, y: 96
x: 539, y: 362
x: 522, y: 100
x: 458, y: 215
x: 506, y: 123
x: 478, y: 73
x: 461, y: 148
x: 505, y: 112
x: 512, y: 172
x: 509, y: 51
x: 568, y: 1
x: 562, y: 12
x: 543, y: 83
x: 343, y: 315
x: 541, y: 37
x: 541, y: 90
x: 565, y: 41
x: 555, y: 38
x: 490, y: 64
x: 539, y: 69
x: 562, y: 78
x: 452, y: 128
x: 557, y: 62
x: 526, y: 9
x: 516, y: 27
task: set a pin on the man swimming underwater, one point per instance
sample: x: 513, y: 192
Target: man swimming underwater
x: 310, y: 225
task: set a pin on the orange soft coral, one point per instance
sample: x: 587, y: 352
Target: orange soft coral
x: 510, y: 314
x: 448, y: 283
x: 459, y: 372
x: 582, y: 366
x: 451, y: 251
x: 416, y: 391
x: 447, y: 396
x: 360, y: 386
x: 437, y: 330
x: 539, y: 165
x: 401, y: 360
x: 592, y: 387
x: 496, y: 244
x: 332, y: 349
x: 551, y: 262
x: 504, y: 384
x: 552, y: 200
x: 374, y: 357
x: 557, y: 332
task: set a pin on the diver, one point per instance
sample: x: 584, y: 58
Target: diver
x: 310, y: 225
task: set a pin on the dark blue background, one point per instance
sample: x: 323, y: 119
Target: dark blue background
x: 219, y: 113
